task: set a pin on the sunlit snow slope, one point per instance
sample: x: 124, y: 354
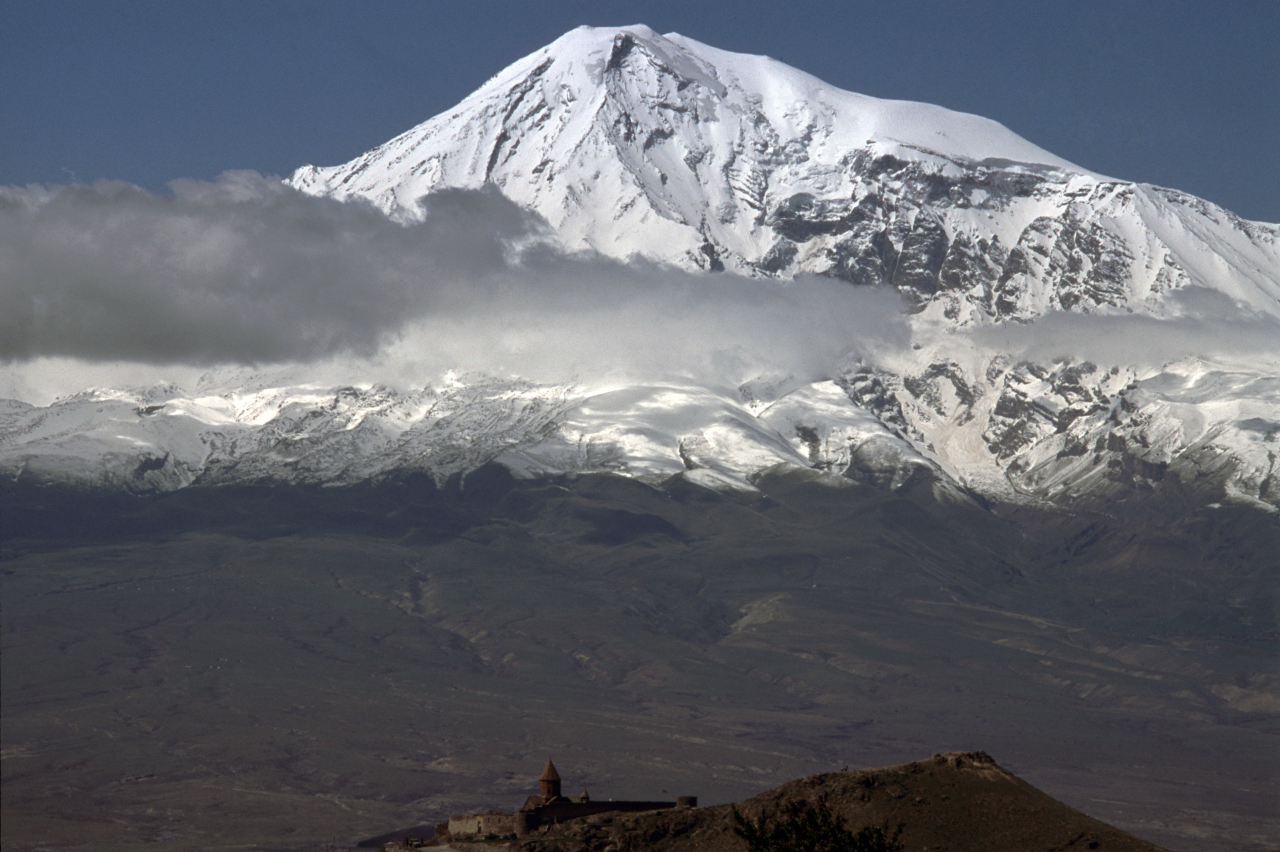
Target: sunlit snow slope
x: 633, y: 143
x: 637, y: 145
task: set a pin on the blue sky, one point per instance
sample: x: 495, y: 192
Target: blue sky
x: 1180, y: 94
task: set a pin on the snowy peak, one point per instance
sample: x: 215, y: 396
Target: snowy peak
x: 638, y: 54
x: 631, y: 144
x: 639, y: 89
x: 692, y: 134
x: 635, y: 144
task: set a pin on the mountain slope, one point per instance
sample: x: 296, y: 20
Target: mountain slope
x: 1042, y: 520
x: 636, y: 144
x: 1072, y: 434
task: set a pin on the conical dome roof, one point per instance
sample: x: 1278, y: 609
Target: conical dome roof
x: 549, y: 774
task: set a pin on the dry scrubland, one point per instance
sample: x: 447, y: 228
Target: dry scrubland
x: 281, y: 668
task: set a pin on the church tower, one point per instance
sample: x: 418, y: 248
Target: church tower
x: 549, y: 783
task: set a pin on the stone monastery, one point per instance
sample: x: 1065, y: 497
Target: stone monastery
x: 546, y: 808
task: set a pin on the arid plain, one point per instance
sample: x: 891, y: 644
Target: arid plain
x: 281, y: 668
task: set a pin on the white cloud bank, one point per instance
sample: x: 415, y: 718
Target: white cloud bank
x: 112, y: 285
x: 106, y: 281
x: 1200, y: 323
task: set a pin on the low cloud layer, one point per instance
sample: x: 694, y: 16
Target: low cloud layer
x: 242, y: 270
x: 248, y: 271
x: 1198, y: 322
x: 113, y: 285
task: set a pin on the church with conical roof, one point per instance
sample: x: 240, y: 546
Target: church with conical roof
x: 548, y: 788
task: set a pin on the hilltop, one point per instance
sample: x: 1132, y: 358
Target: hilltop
x: 957, y: 801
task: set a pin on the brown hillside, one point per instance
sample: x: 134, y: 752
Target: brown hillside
x: 953, y: 802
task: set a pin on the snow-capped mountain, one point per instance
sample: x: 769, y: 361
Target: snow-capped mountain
x: 160, y: 438
x: 633, y: 144
x: 1069, y: 434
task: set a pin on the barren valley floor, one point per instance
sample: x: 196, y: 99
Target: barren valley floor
x: 284, y: 668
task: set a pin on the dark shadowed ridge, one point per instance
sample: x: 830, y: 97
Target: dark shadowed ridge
x: 960, y: 802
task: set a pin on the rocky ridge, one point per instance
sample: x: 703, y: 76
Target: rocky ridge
x: 957, y: 801
x: 1070, y: 434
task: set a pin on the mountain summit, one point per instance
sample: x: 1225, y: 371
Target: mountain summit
x: 632, y: 143
x: 638, y: 145
x: 692, y: 502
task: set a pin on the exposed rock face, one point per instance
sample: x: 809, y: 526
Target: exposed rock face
x: 1080, y: 436
x: 1069, y: 433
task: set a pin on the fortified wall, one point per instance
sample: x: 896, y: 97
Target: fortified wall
x: 489, y: 822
